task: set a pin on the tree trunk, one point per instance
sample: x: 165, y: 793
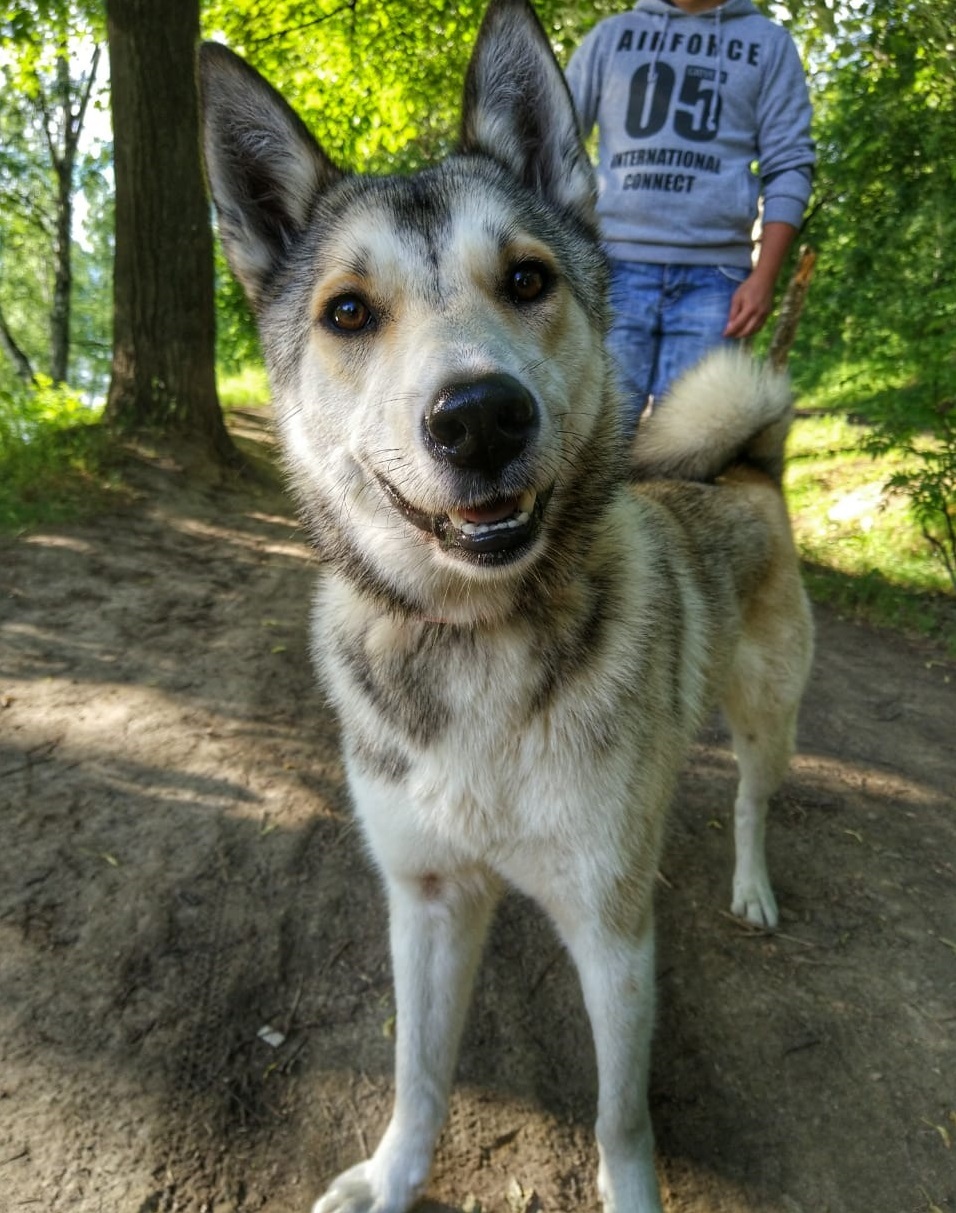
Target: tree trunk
x: 64, y: 159
x: 791, y: 307
x: 163, y: 374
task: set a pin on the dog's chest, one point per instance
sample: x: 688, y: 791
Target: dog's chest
x: 477, y: 742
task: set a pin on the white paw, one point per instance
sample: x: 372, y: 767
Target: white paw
x: 371, y: 1187
x: 755, y: 902
x: 353, y: 1192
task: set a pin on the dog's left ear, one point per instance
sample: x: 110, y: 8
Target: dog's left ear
x: 517, y: 109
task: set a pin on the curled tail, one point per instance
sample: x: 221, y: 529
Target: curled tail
x: 727, y: 410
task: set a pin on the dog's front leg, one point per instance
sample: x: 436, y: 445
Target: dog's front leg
x: 617, y: 978
x: 437, y: 925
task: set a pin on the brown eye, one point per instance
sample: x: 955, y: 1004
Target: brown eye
x: 528, y: 282
x: 348, y: 314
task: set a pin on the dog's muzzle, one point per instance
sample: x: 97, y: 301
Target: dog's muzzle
x: 482, y: 428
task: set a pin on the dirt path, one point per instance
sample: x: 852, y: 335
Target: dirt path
x: 178, y: 873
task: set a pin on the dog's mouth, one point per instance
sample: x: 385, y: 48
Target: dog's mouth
x: 493, y: 531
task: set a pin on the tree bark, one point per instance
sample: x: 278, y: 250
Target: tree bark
x: 163, y: 374
x: 63, y: 128
x: 791, y: 307
x: 64, y: 159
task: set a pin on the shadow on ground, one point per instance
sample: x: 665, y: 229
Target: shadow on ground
x: 195, y: 1005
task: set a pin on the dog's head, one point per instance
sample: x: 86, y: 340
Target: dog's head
x: 434, y: 342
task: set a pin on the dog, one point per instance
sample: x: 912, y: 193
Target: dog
x: 520, y: 622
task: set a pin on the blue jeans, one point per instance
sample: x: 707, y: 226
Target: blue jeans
x: 664, y: 318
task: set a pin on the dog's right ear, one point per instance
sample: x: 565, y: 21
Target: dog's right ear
x: 265, y: 169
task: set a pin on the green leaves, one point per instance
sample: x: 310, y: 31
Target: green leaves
x: 48, y: 70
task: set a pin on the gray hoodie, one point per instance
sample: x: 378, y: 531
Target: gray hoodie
x: 685, y: 105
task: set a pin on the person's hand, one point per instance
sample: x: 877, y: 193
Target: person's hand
x: 750, y: 306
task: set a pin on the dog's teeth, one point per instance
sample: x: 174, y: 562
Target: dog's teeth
x: 485, y: 528
x: 519, y: 518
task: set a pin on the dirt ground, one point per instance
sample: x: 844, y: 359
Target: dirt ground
x: 195, y: 1005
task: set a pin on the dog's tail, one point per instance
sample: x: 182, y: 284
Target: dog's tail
x: 728, y: 410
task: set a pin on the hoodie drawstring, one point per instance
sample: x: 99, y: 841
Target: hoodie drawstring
x: 712, y: 120
x: 652, y: 78
x: 652, y: 74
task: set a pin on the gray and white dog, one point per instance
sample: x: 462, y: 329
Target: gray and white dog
x: 521, y: 625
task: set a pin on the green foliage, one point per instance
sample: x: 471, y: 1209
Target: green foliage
x: 862, y: 546
x: 876, y: 335
x: 884, y: 218
x: 931, y: 490
x: 92, y: 321
x: 379, y: 83
x: 928, y: 477
x: 237, y: 342
x: 26, y: 413
x: 53, y: 457
x: 246, y: 387
x: 47, y: 56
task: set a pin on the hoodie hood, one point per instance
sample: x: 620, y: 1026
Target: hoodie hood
x: 723, y: 12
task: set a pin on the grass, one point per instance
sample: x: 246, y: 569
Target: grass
x: 65, y: 476
x: 863, y: 551
x: 56, y: 462
x: 246, y: 388
x: 59, y: 465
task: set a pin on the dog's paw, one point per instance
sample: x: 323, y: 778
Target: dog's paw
x: 352, y: 1192
x: 754, y: 901
x: 364, y: 1189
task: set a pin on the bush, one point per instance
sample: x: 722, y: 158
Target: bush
x: 51, y: 455
x: 929, y: 483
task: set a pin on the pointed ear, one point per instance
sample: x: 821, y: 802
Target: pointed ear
x: 517, y: 109
x: 265, y: 169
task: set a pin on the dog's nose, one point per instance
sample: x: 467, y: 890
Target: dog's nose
x: 482, y: 424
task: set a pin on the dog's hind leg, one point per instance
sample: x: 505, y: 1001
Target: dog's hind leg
x: 437, y: 926
x: 763, y: 749
x: 761, y: 707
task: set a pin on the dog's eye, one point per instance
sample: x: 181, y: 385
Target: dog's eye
x: 348, y: 314
x: 528, y: 281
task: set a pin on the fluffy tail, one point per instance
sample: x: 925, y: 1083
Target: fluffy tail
x: 728, y: 410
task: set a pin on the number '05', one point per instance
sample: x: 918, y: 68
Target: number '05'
x: 697, y: 111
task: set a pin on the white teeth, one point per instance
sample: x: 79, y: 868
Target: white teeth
x: 520, y: 518
x: 485, y: 528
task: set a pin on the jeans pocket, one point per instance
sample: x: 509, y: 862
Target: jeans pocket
x: 734, y: 273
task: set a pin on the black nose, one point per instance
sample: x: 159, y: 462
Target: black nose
x: 482, y: 424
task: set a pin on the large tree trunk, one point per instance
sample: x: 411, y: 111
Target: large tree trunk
x: 164, y: 320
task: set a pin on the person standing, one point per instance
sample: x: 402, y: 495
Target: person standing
x: 688, y: 96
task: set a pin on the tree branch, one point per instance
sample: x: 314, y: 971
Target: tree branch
x: 348, y: 6
x: 77, y: 119
x: 46, y: 122
x: 21, y: 363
